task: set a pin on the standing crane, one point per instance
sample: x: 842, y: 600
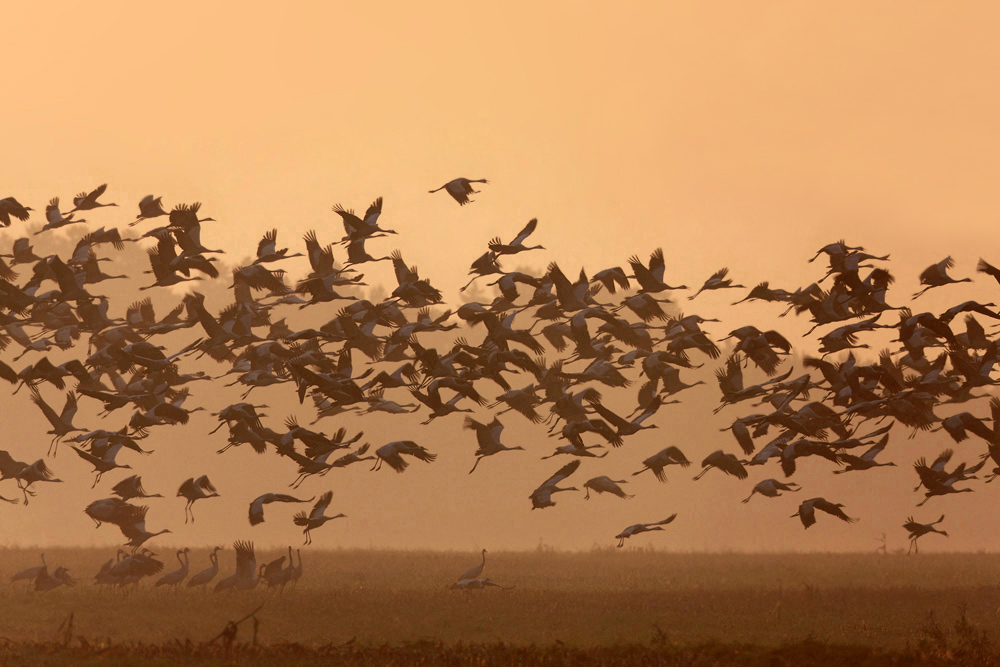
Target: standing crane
x: 175, y: 578
x: 475, y: 571
x: 205, y: 577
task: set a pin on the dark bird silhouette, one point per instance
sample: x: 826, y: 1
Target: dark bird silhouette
x: 918, y: 530
x: 195, y: 489
x: 807, y: 511
x: 637, y: 528
x: 257, y: 505
x: 317, y: 517
x: 460, y: 189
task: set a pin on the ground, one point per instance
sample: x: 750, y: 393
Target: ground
x: 606, y: 605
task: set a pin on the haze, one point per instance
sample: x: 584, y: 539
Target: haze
x: 744, y: 135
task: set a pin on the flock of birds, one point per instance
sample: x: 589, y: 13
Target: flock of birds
x: 125, y: 571
x: 607, y: 332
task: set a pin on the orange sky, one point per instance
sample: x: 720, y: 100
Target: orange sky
x: 731, y: 134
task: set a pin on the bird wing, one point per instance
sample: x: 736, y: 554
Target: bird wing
x: 525, y: 233
x: 562, y: 473
x: 246, y: 560
x: 256, y: 513
x: 320, y: 507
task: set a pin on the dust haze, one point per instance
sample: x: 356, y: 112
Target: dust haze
x: 731, y: 136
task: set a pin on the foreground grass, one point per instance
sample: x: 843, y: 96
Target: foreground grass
x: 374, y: 607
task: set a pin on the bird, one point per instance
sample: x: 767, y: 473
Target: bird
x: 936, y: 275
x: 149, y: 207
x: 131, y: 487
x: 55, y: 219
x: 542, y: 496
x: 918, y: 530
x: 718, y: 280
x: 30, y: 573
x: 488, y: 437
x: 205, y: 577
x: 110, y: 510
x: 62, y: 423
x: 102, y: 464
x: 195, y: 489
x: 316, y: 517
x: 637, y: 528
x: 605, y: 484
x: 650, y: 278
x: 257, y: 505
x: 247, y: 576
x: 268, y: 251
x: 660, y: 460
x: 475, y: 571
x: 10, y: 207
x: 460, y: 189
x: 36, y: 472
x: 135, y: 529
x: 86, y: 201
x: 807, y: 511
x: 867, y: 460
x: 45, y: 582
x: 392, y: 452
x: 516, y: 245
x: 281, y: 577
x: 175, y: 578
x: 727, y: 463
x: 771, y: 488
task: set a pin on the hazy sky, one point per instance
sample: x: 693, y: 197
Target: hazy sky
x: 731, y: 134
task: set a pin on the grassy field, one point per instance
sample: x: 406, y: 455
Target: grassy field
x: 927, y: 605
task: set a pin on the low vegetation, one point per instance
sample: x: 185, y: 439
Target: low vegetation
x: 608, y: 606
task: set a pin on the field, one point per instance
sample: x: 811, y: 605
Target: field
x: 374, y: 607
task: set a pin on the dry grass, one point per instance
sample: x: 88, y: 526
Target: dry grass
x: 352, y: 603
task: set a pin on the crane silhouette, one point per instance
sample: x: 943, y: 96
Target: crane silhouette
x: 460, y: 189
x: 317, y: 517
x: 475, y: 571
x: 195, y: 489
x: 638, y: 528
